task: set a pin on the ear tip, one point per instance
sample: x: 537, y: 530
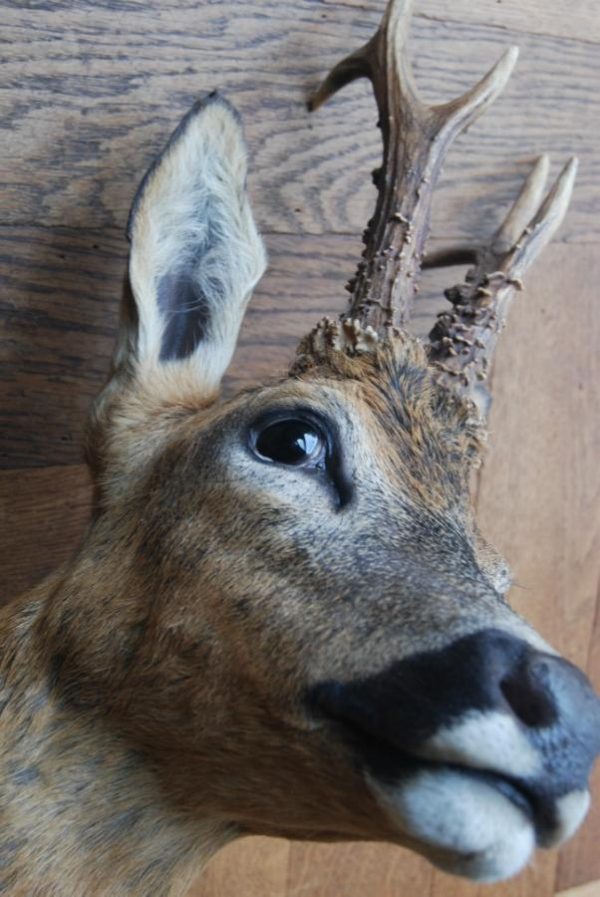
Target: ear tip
x: 212, y: 103
x: 214, y: 99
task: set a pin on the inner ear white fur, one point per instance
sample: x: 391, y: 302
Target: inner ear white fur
x: 196, y: 254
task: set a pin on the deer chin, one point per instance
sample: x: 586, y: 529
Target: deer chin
x: 463, y: 824
x: 473, y: 824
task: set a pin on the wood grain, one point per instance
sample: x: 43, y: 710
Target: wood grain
x: 58, y: 306
x: 43, y: 516
x: 581, y: 22
x: 591, y: 889
x: 251, y: 866
x: 91, y: 91
x: 354, y: 870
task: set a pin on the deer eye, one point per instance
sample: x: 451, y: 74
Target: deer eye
x: 294, y: 442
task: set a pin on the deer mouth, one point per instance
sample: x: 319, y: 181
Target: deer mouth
x: 475, y: 822
x: 389, y: 764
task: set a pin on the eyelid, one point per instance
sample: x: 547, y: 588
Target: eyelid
x: 306, y: 415
x: 293, y: 412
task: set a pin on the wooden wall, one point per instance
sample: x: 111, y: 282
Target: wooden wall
x: 90, y: 90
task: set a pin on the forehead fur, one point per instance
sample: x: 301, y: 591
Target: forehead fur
x: 430, y: 432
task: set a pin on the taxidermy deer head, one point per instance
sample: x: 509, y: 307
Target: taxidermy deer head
x: 283, y: 619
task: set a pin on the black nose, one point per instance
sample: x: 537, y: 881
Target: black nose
x: 551, y: 700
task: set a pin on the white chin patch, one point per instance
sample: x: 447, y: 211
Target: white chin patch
x: 480, y: 833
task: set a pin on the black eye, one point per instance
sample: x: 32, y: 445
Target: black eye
x: 294, y: 442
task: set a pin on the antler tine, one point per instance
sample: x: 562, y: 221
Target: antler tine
x: 416, y: 138
x: 519, y: 215
x: 462, y: 342
x: 460, y: 113
x: 363, y: 63
x: 524, y: 208
x: 547, y: 221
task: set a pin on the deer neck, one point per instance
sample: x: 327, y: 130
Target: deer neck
x: 81, y: 811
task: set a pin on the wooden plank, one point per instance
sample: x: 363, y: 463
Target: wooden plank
x: 581, y: 22
x: 92, y: 91
x: 252, y: 867
x: 43, y: 515
x: 355, y: 870
x: 58, y: 306
x: 59, y: 310
x: 591, y: 889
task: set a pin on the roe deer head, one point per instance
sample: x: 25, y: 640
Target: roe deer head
x: 283, y: 619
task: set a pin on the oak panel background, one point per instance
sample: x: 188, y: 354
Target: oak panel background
x: 89, y: 91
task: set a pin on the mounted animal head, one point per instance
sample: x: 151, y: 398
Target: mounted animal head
x: 284, y: 601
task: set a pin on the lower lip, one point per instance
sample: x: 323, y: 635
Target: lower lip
x: 511, y: 792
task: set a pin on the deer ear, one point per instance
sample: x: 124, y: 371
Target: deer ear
x: 196, y: 254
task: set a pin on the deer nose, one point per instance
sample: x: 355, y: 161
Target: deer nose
x: 530, y: 689
x: 488, y: 701
x: 542, y: 690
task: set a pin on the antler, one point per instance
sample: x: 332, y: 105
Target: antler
x: 463, y: 340
x: 416, y: 138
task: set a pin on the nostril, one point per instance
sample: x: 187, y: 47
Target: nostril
x: 529, y: 700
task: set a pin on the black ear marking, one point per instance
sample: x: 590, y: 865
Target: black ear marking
x: 186, y: 310
x: 188, y: 295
